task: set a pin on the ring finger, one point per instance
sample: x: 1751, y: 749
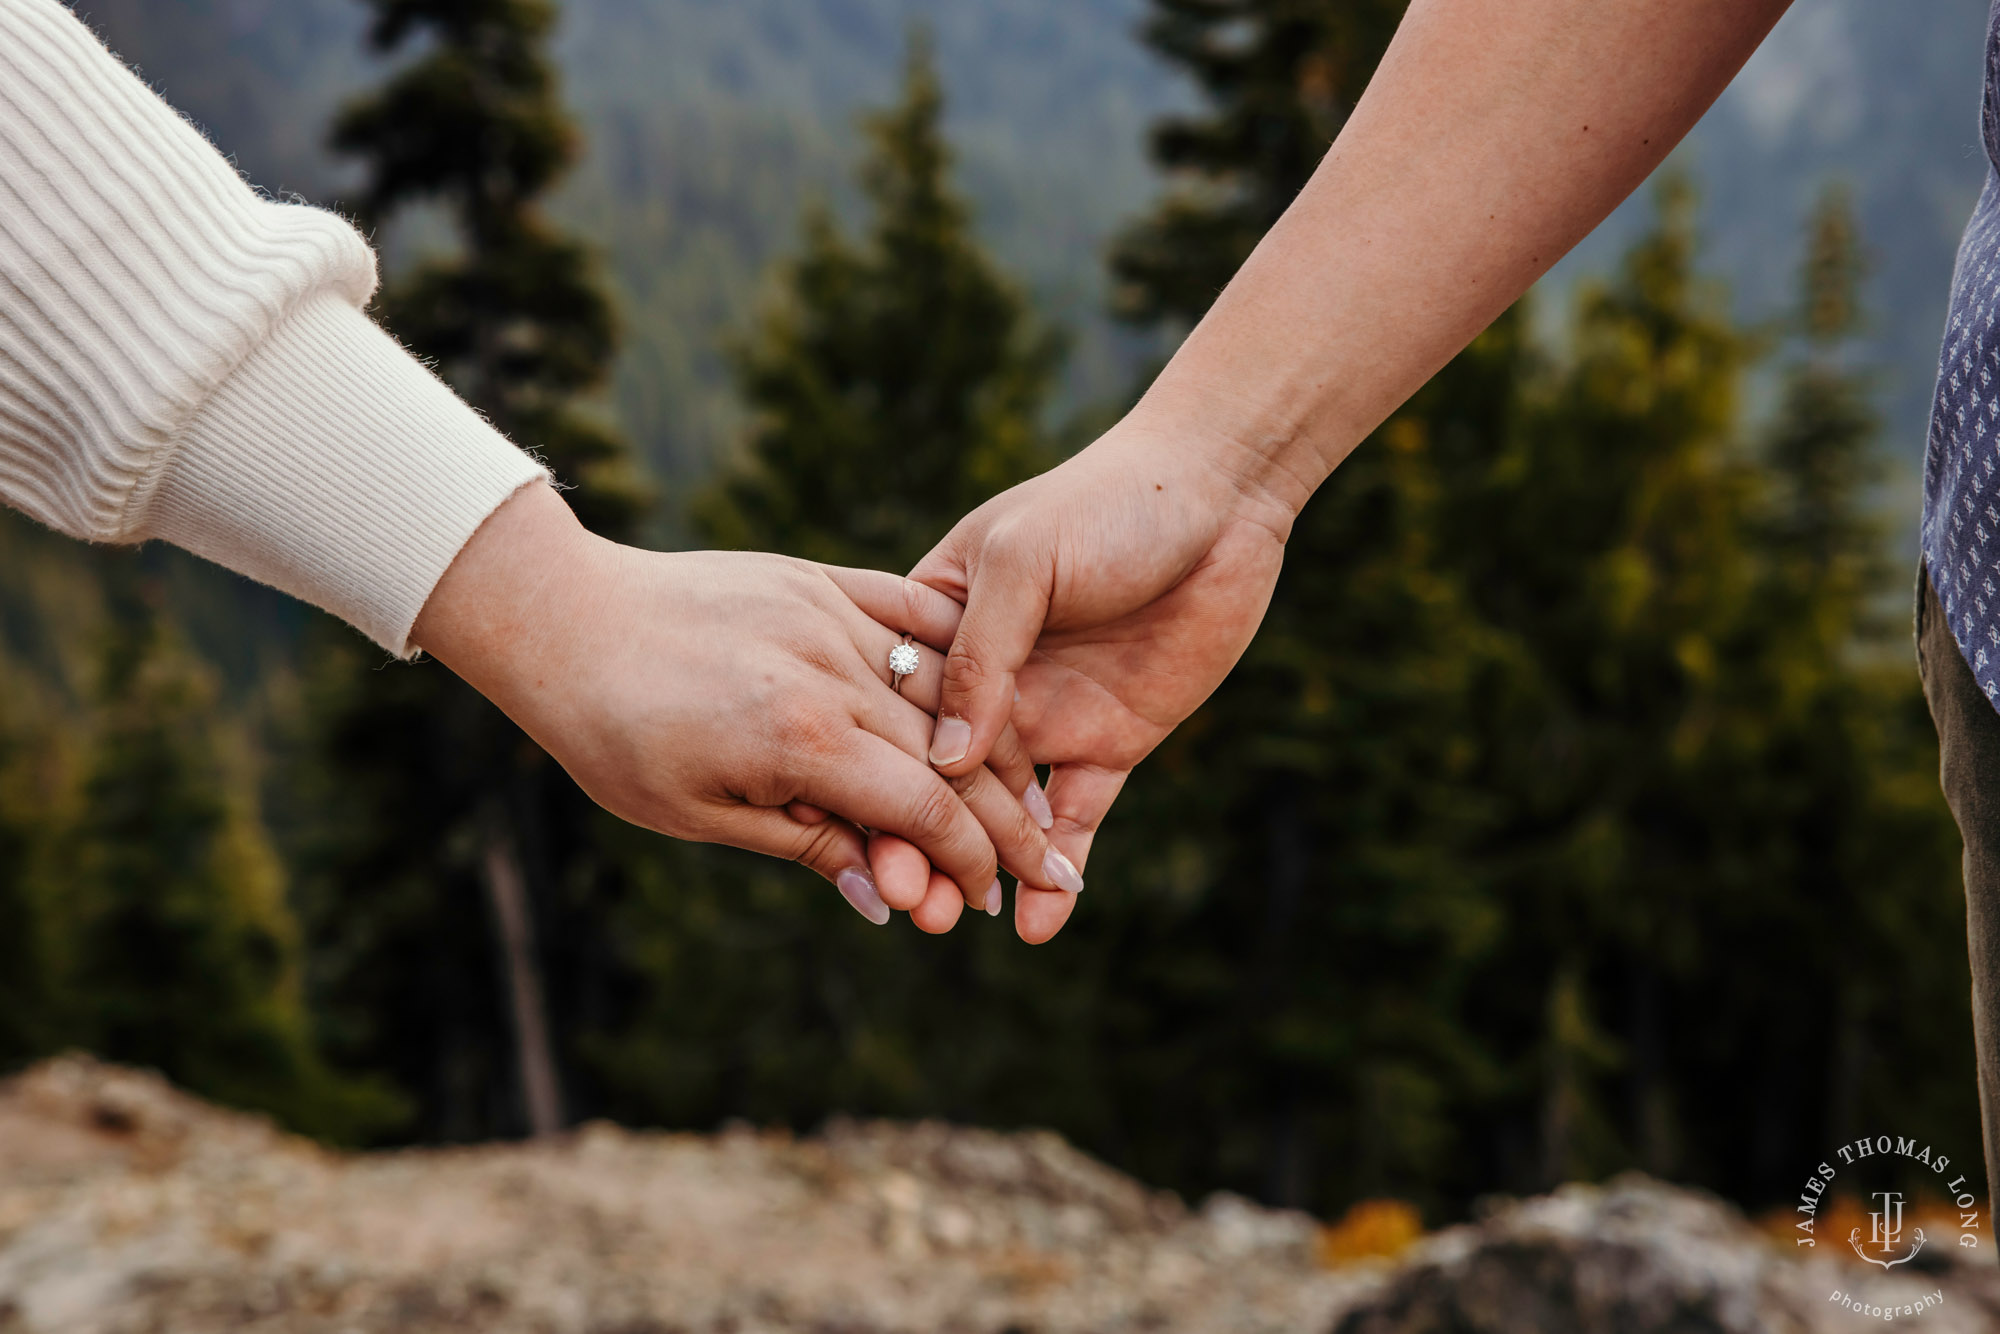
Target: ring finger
x: 924, y: 687
x: 1023, y: 847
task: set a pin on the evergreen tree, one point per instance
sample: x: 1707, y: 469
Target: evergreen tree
x: 1609, y: 539
x: 1703, y: 772
x: 1317, y: 806
x: 31, y: 807
x: 515, y: 320
x: 897, y: 381
x: 1280, y: 78
x: 1845, y: 813
x: 1562, y: 756
x: 1297, y: 875
x: 181, y: 953
x: 441, y: 814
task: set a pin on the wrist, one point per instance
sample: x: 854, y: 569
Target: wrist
x: 330, y: 464
x: 1253, y: 465
x: 501, y: 614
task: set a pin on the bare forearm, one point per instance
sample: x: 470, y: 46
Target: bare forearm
x: 1494, y: 136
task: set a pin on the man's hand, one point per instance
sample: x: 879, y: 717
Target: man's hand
x: 731, y: 697
x: 1492, y: 137
x: 1113, y: 593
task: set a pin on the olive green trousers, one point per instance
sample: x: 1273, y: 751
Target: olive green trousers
x: 1968, y: 729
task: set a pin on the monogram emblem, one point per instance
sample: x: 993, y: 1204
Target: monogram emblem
x: 1885, y: 1233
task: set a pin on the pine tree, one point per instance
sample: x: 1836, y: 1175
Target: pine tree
x: 1280, y: 78
x: 1565, y: 731
x: 1846, y: 813
x: 181, y: 953
x: 1315, y: 812
x: 1294, y: 866
x: 516, y: 320
x: 31, y: 807
x: 444, y: 814
x: 1609, y: 539
x: 1709, y: 771
x: 898, y: 381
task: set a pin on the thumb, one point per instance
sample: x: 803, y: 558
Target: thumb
x: 1006, y: 601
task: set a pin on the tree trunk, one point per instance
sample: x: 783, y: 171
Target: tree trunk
x: 507, y: 890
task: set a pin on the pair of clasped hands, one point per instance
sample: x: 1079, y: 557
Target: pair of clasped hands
x: 745, y: 698
x: 1073, y: 621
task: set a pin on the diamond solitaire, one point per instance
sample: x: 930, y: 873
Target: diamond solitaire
x: 903, y: 659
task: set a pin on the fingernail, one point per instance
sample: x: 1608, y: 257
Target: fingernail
x: 993, y: 899
x: 858, y: 888
x: 1058, y: 871
x: 1037, y: 803
x: 950, y: 741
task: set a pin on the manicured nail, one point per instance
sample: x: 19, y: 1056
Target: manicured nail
x: 858, y: 888
x: 993, y: 899
x: 1058, y: 871
x: 1037, y: 803
x: 950, y: 741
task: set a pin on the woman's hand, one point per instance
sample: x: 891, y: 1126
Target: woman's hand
x: 728, y: 697
x: 1104, y: 601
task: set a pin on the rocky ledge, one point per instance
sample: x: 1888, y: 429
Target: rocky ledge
x: 128, y: 1206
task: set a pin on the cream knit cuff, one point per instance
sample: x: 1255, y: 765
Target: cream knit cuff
x: 334, y: 466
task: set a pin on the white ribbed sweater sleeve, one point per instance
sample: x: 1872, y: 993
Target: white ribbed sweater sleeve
x: 184, y: 359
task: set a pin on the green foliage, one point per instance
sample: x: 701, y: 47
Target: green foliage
x: 143, y: 912
x: 1727, y: 767
x: 1308, y: 870
x: 515, y: 321
x: 32, y: 779
x: 424, y: 780
x: 897, y: 382
x: 177, y: 948
x: 1300, y: 864
x: 1575, y: 809
x: 1567, y: 757
x: 1566, y: 773
x: 894, y: 383
x: 1281, y: 77
x: 1570, y: 763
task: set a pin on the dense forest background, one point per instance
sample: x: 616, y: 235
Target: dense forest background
x: 709, y: 125
x: 1575, y: 810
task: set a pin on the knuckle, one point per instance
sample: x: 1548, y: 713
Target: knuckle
x: 1015, y: 541
x: 1073, y: 827
x: 803, y: 727
x: 915, y: 600
x: 817, y: 845
x: 1010, y: 764
x: 936, y: 811
x: 814, y: 654
x: 962, y: 668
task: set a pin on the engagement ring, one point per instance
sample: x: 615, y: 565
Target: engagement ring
x: 902, y: 662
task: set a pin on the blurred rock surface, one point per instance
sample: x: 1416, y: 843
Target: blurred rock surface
x: 1641, y: 1257
x: 126, y: 1206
